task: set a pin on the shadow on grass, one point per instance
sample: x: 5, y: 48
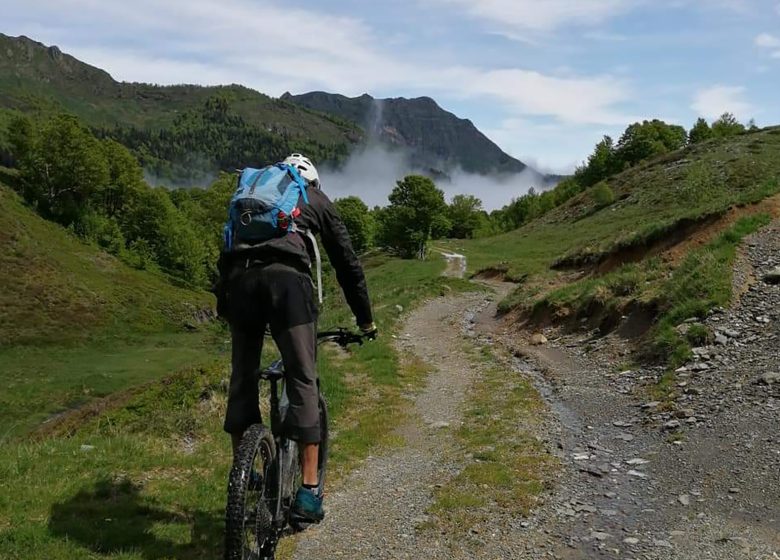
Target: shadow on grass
x: 112, y: 517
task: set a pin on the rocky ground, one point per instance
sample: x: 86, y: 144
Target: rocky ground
x: 697, y: 477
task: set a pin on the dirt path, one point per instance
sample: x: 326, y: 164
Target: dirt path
x: 382, y: 503
x: 697, y: 477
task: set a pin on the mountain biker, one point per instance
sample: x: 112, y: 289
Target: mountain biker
x: 270, y: 284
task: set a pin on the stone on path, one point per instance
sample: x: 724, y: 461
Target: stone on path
x: 773, y: 276
x: 538, y: 339
x: 770, y: 378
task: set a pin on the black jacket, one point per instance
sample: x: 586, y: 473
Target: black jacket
x: 321, y: 218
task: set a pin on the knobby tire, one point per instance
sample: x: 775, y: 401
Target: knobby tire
x: 257, y: 443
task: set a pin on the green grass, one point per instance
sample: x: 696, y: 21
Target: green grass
x: 505, y: 465
x: 59, y: 290
x: 701, y: 282
x: 77, y: 324
x: 650, y: 201
x: 39, y: 383
x: 151, y: 484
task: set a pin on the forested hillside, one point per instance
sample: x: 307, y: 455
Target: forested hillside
x: 182, y: 134
x: 56, y: 288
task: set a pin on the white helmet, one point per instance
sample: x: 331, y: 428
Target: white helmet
x: 305, y: 167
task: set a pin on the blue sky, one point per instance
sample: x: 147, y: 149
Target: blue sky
x: 545, y: 79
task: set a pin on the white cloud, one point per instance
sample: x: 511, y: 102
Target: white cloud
x: 767, y: 41
x: 716, y: 100
x: 571, y: 100
x: 536, y: 16
x: 385, y: 167
x: 606, y: 37
x: 521, y: 137
x: 210, y: 42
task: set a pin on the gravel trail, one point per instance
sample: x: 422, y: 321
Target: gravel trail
x: 691, y: 479
x: 379, y: 506
x: 696, y: 478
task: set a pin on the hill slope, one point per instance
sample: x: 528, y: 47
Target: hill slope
x: 659, y: 254
x: 57, y: 289
x: 182, y: 134
x: 437, y: 138
x: 172, y: 128
x: 34, y: 77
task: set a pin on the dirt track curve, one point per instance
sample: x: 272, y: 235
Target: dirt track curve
x: 696, y: 480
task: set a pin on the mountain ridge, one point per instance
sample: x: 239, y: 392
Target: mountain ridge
x: 39, y: 79
x: 438, y: 138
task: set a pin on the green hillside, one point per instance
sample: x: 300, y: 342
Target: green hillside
x: 36, y: 77
x: 652, y: 247
x: 169, y: 128
x: 77, y: 324
x: 57, y: 289
x: 650, y: 201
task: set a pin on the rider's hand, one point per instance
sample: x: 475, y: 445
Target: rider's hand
x: 369, y: 331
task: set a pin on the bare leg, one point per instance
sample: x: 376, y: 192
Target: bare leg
x: 309, y: 457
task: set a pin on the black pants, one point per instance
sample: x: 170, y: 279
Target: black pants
x: 281, y: 297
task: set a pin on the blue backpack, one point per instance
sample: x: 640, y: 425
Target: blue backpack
x: 264, y: 205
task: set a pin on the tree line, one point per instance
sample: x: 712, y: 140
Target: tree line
x: 95, y: 186
x: 213, y: 138
x: 639, y: 142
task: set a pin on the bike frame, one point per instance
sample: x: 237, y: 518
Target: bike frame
x: 274, y: 374
x: 287, y: 450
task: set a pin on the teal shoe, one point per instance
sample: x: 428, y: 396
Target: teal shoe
x: 307, y: 507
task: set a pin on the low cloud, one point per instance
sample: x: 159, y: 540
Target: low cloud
x: 767, y: 41
x: 371, y: 173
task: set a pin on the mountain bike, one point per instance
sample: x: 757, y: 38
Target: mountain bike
x: 266, y: 471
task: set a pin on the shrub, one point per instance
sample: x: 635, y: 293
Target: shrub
x: 603, y: 195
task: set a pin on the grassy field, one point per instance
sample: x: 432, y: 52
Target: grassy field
x: 42, y: 383
x: 77, y: 324
x: 147, y: 479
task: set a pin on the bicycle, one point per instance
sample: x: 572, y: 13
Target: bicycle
x: 266, y: 471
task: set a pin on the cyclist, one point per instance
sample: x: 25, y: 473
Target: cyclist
x: 270, y: 284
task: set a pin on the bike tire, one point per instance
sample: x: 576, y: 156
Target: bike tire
x: 322, y: 463
x: 246, y: 537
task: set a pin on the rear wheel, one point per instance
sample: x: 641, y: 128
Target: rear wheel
x: 323, y: 457
x: 249, y: 531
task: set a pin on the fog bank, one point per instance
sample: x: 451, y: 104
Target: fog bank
x: 372, y: 172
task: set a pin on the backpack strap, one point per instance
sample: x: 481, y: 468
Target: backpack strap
x: 302, y: 184
x: 318, y: 258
